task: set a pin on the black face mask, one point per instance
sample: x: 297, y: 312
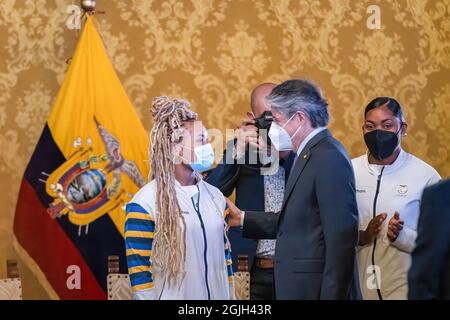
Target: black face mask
x: 381, y: 143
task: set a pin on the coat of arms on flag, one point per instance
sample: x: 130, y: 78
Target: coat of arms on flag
x: 88, y: 185
x: 89, y: 161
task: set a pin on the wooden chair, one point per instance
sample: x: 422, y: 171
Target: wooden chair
x: 11, y: 287
x: 242, y: 279
x: 119, y: 286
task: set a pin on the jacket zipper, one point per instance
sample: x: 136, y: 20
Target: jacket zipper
x: 375, y: 240
x: 197, y: 209
x: 162, y: 290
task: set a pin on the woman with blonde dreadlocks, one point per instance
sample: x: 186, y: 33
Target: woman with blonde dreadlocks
x: 175, y: 232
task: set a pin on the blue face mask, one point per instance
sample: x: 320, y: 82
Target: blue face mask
x: 204, y: 157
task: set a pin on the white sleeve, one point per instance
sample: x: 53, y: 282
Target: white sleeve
x: 148, y: 294
x: 406, y: 239
x: 435, y: 178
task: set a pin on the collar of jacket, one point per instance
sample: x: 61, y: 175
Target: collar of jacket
x: 300, y: 163
x: 316, y: 139
x: 388, y: 169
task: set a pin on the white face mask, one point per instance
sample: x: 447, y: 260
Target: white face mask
x: 280, y: 138
x: 204, y: 157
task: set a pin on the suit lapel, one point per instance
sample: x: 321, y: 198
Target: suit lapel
x: 295, y: 172
x: 301, y: 162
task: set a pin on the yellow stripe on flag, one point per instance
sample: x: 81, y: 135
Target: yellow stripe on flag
x: 92, y: 93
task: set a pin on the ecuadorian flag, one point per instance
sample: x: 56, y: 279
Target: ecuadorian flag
x: 88, y: 163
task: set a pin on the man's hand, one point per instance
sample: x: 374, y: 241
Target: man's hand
x: 246, y: 134
x: 394, y: 227
x: 263, y: 147
x: 234, y: 217
x: 372, y: 230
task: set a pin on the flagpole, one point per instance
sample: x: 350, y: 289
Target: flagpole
x: 88, y: 6
x: 89, y: 9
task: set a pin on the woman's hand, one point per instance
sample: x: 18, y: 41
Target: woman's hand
x: 394, y: 227
x: 372, y: 230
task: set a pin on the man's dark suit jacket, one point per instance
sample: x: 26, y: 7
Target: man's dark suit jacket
x: 317, y: 228
x: 247, y: 181
x: 429, y: 275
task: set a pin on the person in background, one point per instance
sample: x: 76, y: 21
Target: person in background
x: 429, y: 276
x: 254, y: 190
x: 389, y: 186
x: 175, y: 232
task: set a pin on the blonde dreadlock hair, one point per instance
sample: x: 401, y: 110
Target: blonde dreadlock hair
x: 169, y: 240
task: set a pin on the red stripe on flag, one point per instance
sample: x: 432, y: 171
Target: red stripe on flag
x: 46, y: 242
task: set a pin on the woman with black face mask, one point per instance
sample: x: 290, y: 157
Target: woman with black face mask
x: 389, y: 186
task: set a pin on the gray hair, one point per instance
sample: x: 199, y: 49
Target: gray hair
x: 300, y: 95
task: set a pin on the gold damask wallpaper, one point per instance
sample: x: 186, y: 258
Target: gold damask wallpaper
x: 213, y: 53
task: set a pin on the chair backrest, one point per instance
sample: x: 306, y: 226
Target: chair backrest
x: 11, y: 287
x: 242, y: 279
x: 119, y: 285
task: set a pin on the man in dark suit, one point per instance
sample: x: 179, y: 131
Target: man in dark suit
x: 429, y: 276
x: 237, y: 173
x: 317, y: 227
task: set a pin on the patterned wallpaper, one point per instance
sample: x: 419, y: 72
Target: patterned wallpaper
x: 214, y: 52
